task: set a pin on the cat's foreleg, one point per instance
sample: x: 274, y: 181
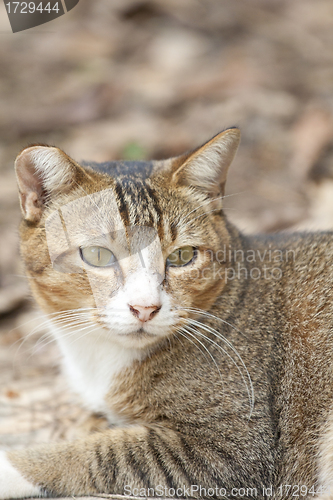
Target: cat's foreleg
x: 12, y: 483
x: 113, y: 461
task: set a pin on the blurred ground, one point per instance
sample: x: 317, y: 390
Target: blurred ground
x: 151, y: 79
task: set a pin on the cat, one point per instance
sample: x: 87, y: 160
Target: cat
x: 208, y: 351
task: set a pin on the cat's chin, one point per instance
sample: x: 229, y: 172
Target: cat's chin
x: 138, y: 339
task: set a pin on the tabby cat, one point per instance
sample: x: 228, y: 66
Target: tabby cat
x: 209, y: 352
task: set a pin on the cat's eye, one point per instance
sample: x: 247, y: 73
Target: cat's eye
x: 181, y: 256
x: 97, y: 256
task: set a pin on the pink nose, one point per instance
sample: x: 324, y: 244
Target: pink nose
x: 144, y: 313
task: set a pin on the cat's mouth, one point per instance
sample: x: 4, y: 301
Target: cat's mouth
x: 141, y: 332
x: 137, y: 338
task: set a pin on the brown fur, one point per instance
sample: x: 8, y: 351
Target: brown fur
x: 186, y: 408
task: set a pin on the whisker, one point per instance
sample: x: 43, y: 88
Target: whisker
x: 68, y: 323
x: 69, y: 311
x: 182, y: 332
x: 225, y: 340
x: 44, y: 315
x: 178, y: 339
x: 47, y: 322
x: 250, y: 391
x: 70, y: 326
x: 71, y: 333
x: 94, y: 329
x: 37, y: 329
x: 209, y: 315
x: 211, y: 330
x: 59, y: 317
x: 210, y: 354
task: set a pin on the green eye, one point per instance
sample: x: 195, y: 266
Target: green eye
x: 181, y: 256
x: 97, y: 256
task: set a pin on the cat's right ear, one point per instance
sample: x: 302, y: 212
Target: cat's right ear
x: 42, y: 172
x: 206, y: 168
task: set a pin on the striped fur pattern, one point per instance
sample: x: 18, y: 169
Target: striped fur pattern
x: 212, y: 375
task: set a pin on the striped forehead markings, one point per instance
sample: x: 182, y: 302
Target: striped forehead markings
x: 138, y: 194
x: 122, y: 204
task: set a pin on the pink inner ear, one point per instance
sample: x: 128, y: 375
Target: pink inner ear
x: 42, y: 170
x: 31, y: 187
x: 33, y: 207
x: 27, y: 175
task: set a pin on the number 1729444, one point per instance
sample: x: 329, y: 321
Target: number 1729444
x: 32, y: 7
x: 297, y: 490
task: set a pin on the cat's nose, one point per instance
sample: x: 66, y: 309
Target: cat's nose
x: 144, y: 313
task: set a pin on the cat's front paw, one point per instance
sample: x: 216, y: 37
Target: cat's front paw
x: 12, y: 483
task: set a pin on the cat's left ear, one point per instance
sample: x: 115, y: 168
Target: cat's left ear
x: 207, y: 167
x: 41, y: 173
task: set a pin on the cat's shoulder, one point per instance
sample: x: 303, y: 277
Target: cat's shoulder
x: 313, y: 241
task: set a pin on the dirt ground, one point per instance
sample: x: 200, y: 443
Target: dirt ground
x: 150, y: 79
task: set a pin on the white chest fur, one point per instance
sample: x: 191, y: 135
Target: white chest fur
x: 91, y: 364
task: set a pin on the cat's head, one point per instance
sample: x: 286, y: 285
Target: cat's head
x: 131, y: 245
